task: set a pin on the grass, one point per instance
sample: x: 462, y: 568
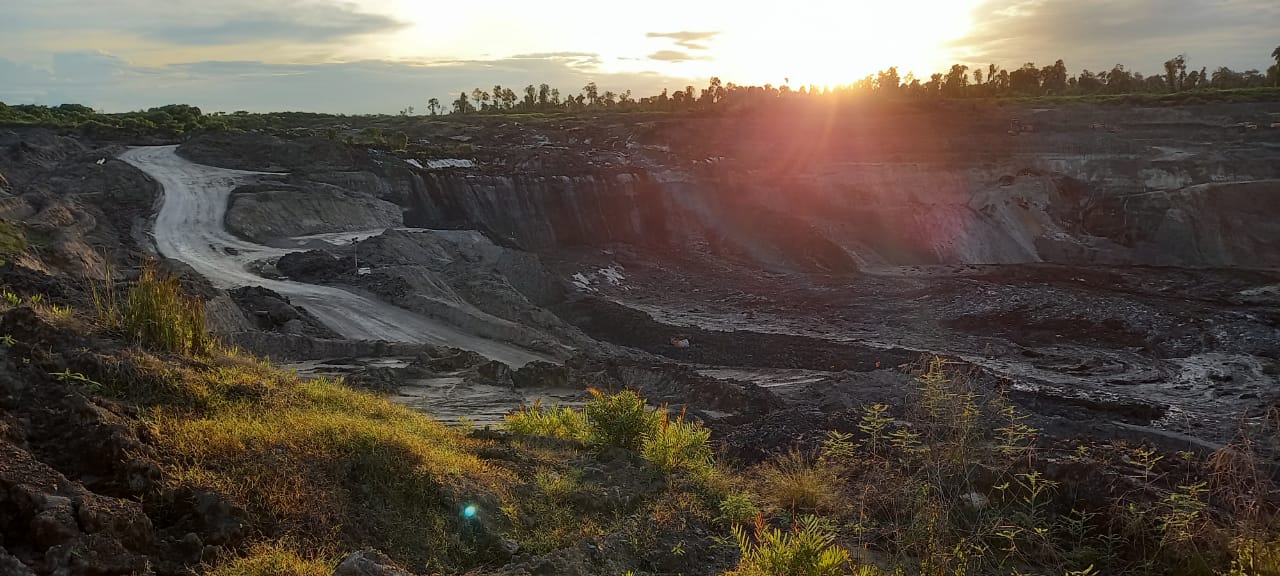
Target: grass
x: 563, y: 422
x: 793, y: 482
x: 12, y: 239
x: 324, y: 465
x: 273, y: 560
x: 154, y: 312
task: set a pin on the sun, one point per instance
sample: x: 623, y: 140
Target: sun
x: 830, y: 44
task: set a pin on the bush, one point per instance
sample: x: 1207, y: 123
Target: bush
x: 620, y: 420
x: 808, y: 549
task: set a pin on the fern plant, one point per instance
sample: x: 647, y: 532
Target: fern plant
x: 808, y: 549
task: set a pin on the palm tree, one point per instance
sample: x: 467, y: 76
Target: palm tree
x: 1276, y: 54
x: 433, y: 105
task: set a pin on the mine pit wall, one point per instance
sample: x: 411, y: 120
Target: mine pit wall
x: 1206, y: 212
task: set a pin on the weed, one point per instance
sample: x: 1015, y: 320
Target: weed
x: 838, y: 447
x: 875, y: 420
x: 11, y: 298
x: 61, y: 312
x: 807, y: 549
x: 36, y: 299
x: 68, y: 376
x: 157, y: 313
x: 738, y: 509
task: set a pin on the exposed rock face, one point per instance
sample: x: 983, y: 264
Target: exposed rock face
x: 318, y: 209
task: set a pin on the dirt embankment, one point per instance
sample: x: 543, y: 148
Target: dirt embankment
x: 267, y: 212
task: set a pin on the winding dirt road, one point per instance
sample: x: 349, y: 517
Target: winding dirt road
x: 190, y: 229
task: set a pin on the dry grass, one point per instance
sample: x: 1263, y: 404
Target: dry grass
x: 796, y: 483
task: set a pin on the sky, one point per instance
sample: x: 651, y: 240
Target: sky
x: 382, y: 56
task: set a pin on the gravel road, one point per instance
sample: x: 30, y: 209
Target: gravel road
x: 190, y: 229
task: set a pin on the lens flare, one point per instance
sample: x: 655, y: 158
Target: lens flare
x: 469, y: 511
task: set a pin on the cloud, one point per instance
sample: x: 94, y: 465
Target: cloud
x: 373, y: 86
x: 315, y: 24
x: 685, y: 39
x: 1139, y: 33
x: 671, y: 56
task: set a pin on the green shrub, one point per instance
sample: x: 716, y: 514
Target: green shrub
x: 620, y: 419
x: 808, y: 549
x: 676, y: 444
x: 563, y: 422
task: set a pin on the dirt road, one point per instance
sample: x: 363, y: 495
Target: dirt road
x: 190, y: 229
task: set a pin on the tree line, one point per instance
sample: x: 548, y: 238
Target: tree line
x: 960, y: 81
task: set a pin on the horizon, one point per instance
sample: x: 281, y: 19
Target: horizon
x: 383, y: 56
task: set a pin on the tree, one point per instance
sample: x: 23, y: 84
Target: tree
x: 956, y: 81
x: 544, y: 95
x: 1175, y: 73
x: 530, y: 97
x: 433, y: 106
x: 887, y: 81
x: 1053, y: 79
x: 461, y: 105
x: 592, y: 93
x: 1025, y: 80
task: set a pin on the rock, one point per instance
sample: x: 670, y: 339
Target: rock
x: 541, y: 374
x: 10, y: 566
x: 123, y: 520
x: 294, y: 326
x: 95, y: 555
x: 496, y: 373
x: 219, y: 521
x: 191, y: 547
x: 313, y: 266
x: 975, y: 501
x: 54, y: 525
x: 368, y: 563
